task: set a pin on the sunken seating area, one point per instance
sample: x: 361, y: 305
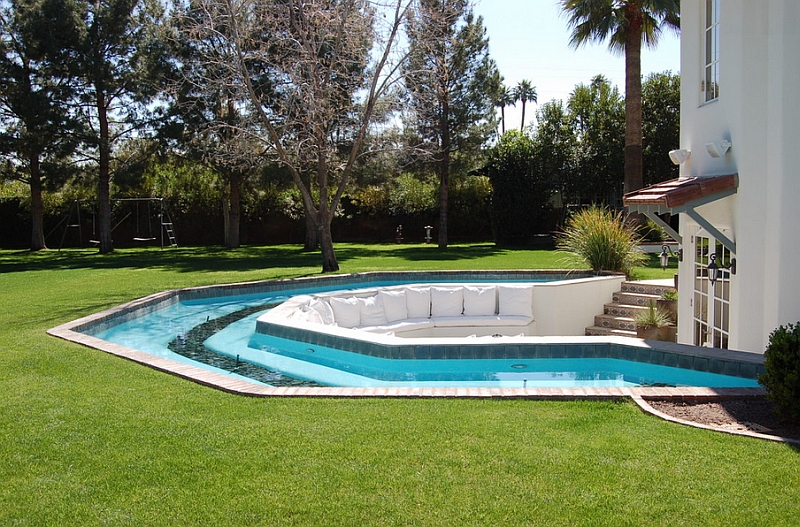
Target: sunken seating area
x: 419, y: 310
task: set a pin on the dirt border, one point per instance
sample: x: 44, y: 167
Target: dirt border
x: 647, y: 408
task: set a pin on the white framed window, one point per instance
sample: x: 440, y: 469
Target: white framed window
x: 711, y: 305
x: 710, y: 84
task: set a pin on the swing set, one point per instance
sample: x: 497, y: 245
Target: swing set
x: 142, y: 211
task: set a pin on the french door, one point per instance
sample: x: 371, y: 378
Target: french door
x: 711, y: 303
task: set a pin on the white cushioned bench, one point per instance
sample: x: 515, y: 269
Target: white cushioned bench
x: 418, y: 310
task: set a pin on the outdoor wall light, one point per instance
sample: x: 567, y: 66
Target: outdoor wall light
x: 679, y: 156
x: 714, y: 270
x: 718, y: 149
x: 666, y: 251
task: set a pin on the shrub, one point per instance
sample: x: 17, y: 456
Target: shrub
x: 781, y: 376
x: 653, y: 317
x: 669, y: 294
x: 602, y: 240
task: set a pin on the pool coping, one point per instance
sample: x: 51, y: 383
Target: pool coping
x: 70, y: 331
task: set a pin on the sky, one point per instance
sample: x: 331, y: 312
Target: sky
x: 529, y: 40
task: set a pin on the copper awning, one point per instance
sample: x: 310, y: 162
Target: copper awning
x: 683, y: 195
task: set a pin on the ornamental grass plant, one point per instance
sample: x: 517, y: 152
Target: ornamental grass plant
x: 601, y: 239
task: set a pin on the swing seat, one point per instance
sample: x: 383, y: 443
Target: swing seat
x: 143, y: 239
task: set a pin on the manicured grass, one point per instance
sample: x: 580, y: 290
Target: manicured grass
x: 90, y: 439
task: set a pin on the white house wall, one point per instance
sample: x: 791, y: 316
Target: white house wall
x: 758, y: 111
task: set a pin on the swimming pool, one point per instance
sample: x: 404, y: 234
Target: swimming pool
x: 159, y: 325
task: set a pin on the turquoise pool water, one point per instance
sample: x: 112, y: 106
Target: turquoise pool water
x: 158, y: 331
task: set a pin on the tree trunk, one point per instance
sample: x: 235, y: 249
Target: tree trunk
x: 312, y: 239
x: 311, y: 242
x: 522, y: 122
x: 226, y: 215
x: 444, y: 173
x: 37, y: 207
x: 634, y: 178
x: 235, y: 203
x: 329, y: 262
x: 104, y: 178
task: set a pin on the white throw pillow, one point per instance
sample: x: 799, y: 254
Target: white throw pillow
x: 312, y: 315
x: 447, y: 302
x: 516, y: 300
x: 418, y: 302
x: 394, y: 305
x: 480, y: 301
x: 324, y: 310
x: 371, y: 309
x: 346, y: 311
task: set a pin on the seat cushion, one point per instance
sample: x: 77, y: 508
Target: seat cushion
x: 346, y: 311
x: 515, y: 300
x: 480, y: 301
x: 371, y: 311
x: 447, y: 301
x: 323, y: 309
x: 418, y: 302
x: 394, y: 305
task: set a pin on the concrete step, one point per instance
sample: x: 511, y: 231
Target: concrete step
x: 618, y: 315
x: 654, y: 287
x: 622, y: 310
x: 615, y: 322
x: 595, y: 331
x: 635, y: 299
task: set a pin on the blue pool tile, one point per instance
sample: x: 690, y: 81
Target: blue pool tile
x: 422, y: 352
x: 730, y: 368
x: 656, y: 357
x: 642, y: 355
x: 747, y: 370
x: 700, y: 364
x: 577, y: 352
x: 671, y: 359
x: 468, y: 352
x: 686, y: 362
x: 438, y: 352
x: 716, y: 365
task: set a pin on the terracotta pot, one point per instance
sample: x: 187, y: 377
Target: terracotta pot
x: 666, y: 333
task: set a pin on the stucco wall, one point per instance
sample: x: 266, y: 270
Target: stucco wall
x: 759, y: 112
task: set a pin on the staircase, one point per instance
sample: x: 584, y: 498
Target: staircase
x: 617, y: 318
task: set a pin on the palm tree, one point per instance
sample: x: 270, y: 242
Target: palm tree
x: 626, y: 24
x: 525, y: 91
x: 505, y: 97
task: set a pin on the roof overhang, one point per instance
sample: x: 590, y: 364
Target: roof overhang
x: 683, y: 195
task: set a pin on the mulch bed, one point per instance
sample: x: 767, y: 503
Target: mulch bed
x: 755, y: 414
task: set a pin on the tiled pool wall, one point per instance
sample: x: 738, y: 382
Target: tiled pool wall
x: 369, y: 278
x: 725, y: 362
x: 97, y: 323
x: 740, y: 364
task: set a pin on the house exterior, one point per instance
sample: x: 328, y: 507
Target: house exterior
x: 738, y: 196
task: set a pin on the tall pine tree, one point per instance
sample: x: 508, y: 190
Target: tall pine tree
x: 452, y: 84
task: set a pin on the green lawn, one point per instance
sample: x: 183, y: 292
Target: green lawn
x: 91, y: 439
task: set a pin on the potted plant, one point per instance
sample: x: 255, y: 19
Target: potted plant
x: 655, y: 323
x: 669, y: 303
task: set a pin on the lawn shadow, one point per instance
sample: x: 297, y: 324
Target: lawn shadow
x: 221, y: 259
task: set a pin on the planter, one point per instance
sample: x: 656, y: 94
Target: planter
x: 665, y: 333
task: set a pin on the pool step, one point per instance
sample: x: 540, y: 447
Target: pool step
x: 596, y: 331
x: 618, y: 315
